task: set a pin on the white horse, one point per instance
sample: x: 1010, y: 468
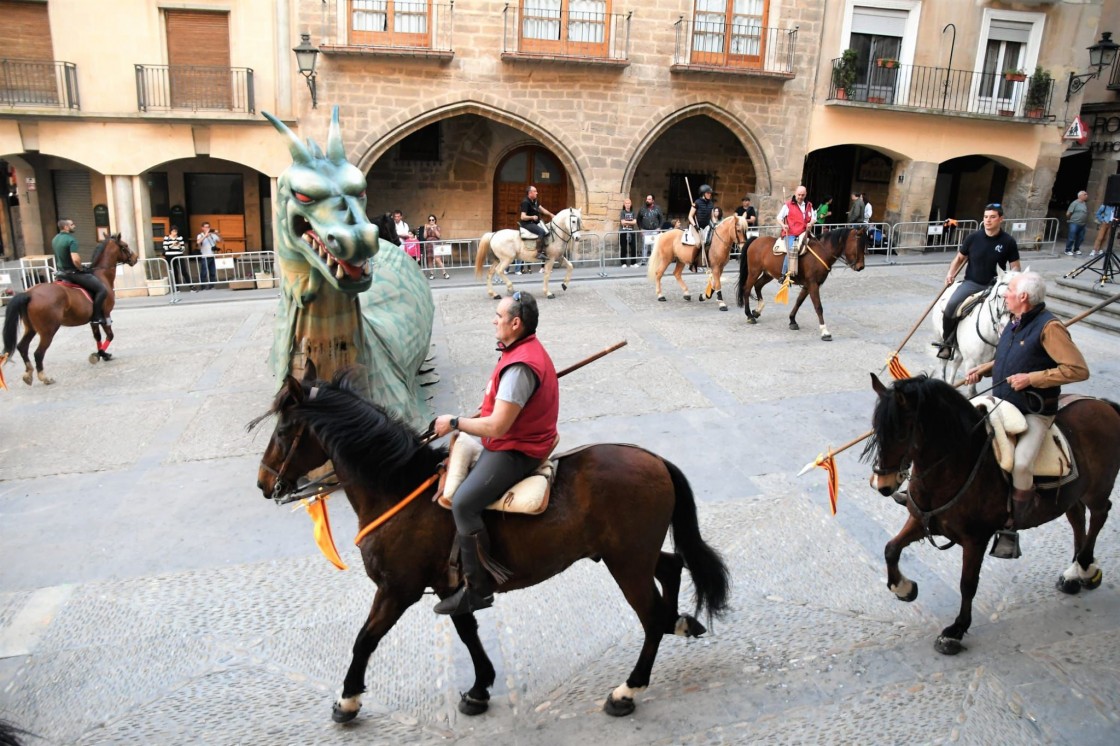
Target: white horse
x: 510, y: 244
x: 977, y: 332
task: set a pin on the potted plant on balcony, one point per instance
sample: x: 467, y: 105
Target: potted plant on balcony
x: 1015, y: 76
x: 844, y: 73
x: 887, y: 62
x: 1038, y: 93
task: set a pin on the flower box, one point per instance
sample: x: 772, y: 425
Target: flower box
x: 1015, y: 77
x: 886, y: 62
x: 1007, y: 112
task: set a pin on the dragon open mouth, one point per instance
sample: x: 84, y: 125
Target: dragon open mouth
x: 340, y: 268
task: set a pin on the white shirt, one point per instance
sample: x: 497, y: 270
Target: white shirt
x: 867, y: 213
x: 810, y: 216
x: 402, y: 230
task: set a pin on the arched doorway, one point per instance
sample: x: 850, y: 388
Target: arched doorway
x: 520, y: 168
x: 839, y: 171
x: 965, y: 185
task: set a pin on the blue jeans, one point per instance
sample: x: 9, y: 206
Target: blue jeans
x: 1076, y: 236
x: 207, y: 271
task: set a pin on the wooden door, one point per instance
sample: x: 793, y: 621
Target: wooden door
x: 520, y: 169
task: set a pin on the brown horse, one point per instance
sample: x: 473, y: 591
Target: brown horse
x: 669, y: 248
x: 46, y: 307
x: 957, y: 489
x: 613, y: 503
x: 763, y: 265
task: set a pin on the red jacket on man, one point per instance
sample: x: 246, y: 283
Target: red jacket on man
x: 797, y: 220
x: 534, y: 431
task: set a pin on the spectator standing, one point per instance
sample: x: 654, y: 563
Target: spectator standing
x: 411, y: 246
x: 400, y: 226
x: 173, y: 247
x: 855, y: 212
x: 746, y: 209
x: 650, y: 220
x: 207, y: 269
x: 432, y: 233
x: 824, y: 210
x: 1078, y: 217
x: 1104, y: 217
x: 867, y: 211
x: 627, y: 240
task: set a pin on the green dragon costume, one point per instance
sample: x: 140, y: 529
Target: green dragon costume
x: 346, y: 296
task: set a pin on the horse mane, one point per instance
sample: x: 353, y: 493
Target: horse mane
x: 379, y: 446
x: 98, y: 252
x: 838, y: 237
x: 939, y: 413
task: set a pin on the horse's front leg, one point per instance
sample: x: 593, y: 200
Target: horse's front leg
x: 949, y: 641
x: 477, y: 700
x: 388, y: 605
x: 899, y: 584
x: 567, y: 275
x: 796, y: 305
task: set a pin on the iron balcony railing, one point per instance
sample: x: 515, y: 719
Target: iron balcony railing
x: 356, y: 26
x: 718, y: 45
x: 31, y: 83
x: 195, y: 88
x: 538, y: 30
x: 887, y: 83
x: 1114, y: 78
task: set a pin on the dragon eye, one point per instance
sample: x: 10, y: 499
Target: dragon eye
x: 303, y: 197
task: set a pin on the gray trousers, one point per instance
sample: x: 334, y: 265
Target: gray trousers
x: 1027, y: 448
x: 495, y: 472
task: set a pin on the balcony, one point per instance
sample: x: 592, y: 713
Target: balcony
x: 535, y: 33
x: 390, y: 28
x: 194, y: 88
x: 39, y: 84
x: 715, y: 46
x: 1114, y: 78
x: 941, y: 90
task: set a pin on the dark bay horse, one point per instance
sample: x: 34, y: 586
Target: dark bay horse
x: 957, y: 489
x: 669, y: 248
x: 613, y: 503
x: 763, y: 265
x: 46, y: 307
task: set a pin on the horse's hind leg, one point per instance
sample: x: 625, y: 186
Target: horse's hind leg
x: 1069, y: 581
x: 477, y: 700
x: 1084, y: 569
x: 24, y: 347
x: 677, y: 271
x: 668, y: 574
x: 45, y: 339
x: 637, y: 584
x: 388, y: 605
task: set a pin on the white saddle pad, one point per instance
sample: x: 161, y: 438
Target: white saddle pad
x: 528, y: 235
x: 530, y: 495
x: 1007, y: 423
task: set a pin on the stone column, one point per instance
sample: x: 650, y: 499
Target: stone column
x: 124, y: 217
x: 911, y: 192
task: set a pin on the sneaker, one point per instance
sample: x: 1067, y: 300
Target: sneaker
x: 446, y: 276
x: 1077, y: 253
x: 516, y: 273
x: 1092, y: 254
x: 1069, y: 253
x: 431, y: 276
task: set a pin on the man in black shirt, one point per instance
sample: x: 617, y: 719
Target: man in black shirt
x: 531, y: 212
x: 750, y: 213
x: 984, y: 250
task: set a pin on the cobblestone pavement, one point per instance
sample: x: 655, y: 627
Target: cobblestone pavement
x: 148, y: 594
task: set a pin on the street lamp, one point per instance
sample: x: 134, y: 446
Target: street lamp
x: 1101, y: 55
x: 306, y: 56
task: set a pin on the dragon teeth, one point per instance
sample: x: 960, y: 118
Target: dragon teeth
x: 366, y: 270
x: 331, y: 261
x: 339, y: 272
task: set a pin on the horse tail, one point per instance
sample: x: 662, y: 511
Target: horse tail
x: 710, y: 575
x: 16, y: 308
x: 654, y: 255
x: 741, y: 289
x: 483, y: 250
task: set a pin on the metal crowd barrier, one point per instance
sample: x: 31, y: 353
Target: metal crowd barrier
x: 243, y: 271
x: 34, y: 270
x: 1034, y: 234
x: 931, y: 236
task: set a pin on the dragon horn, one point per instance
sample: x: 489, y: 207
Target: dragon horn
x: 335, y: 150
x: 300, y: 153
x: 316, y: 151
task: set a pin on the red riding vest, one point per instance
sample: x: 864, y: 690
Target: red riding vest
x: 534, y: 431
x: 798, y: 221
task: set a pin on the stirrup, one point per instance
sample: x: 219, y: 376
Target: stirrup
x: 1006, y: 544
x: 463, y: 601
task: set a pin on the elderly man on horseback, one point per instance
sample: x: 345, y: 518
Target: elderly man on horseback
x: 68, y: 267
x: 517, y: 425
x: 795, y: 217
x: 531, y: 212
x: 1035, y: 356
x: 984, y: 250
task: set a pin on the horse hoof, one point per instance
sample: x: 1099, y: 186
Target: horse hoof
x: 752, y: 320
x: 688, y: 626
x: 756, y: 314
x: 340, y: 715
x: 551, y: 296
x: 1069, y: 587
x: 702, y: 297
x: 723, y: 306
x: 661, y: 298
x: 46, y: 381
x: 564, y: 286
x: 826, y: 337
x: 105, y: 356
x: 27, y: 378
x: 470, y: 706
x: 793, y: 325
x: 1094, y: 582
x: 947, y: 645
x: 618, y: 708
x: 687, y: 296
x: 909, y: 597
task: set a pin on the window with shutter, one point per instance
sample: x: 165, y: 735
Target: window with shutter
x: 198, y: 73
x: 25, y: 39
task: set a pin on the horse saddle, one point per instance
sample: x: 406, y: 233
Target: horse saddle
x: 527, y: 235
x: 79, y: 288
x: 779, y: 247
x: 970, y: 303
x: 1006, y: 423
x: 529, y: 496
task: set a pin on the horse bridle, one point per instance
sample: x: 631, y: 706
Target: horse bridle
x: 993, y: 317
x: 326, y: 483
x: 571, y: 231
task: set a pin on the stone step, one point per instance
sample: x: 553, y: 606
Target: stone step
x: 1069, y: 297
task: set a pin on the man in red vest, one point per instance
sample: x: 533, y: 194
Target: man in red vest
x: 517, y: 425
x: 796, y: 216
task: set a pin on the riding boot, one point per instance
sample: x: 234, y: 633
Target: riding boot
x: 1006, y: 544
x: 948, y: 343
x: 480, y: 572
x: 542, y: 254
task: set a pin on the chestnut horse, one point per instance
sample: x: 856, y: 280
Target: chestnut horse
x: 613, y: 503
x: 763, y: 265
x: 669, y: 247
x: 957, y: 489
x: 46, y: 307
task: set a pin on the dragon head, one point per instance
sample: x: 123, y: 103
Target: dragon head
x: 321, y: 213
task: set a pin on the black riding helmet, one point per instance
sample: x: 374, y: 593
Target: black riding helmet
x: 705, y: 189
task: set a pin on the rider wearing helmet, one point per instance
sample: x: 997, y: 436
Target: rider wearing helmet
x: 700, y: 217
x: 68, y: 267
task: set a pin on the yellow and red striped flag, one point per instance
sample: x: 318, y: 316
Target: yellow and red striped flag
x: 317, y: 509
x: 782, y: 296
x: 897, y: 369
x: 829, y: 464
